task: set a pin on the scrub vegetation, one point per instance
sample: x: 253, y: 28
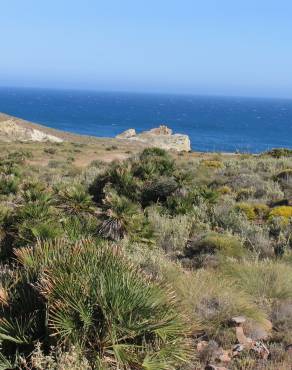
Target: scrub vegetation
x: 137, y: 263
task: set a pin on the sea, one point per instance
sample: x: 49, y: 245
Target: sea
x: 214, y: 124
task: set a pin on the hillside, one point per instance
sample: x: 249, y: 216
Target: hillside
x: 116, y: 256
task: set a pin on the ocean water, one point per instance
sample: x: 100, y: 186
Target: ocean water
x: 213, y: 123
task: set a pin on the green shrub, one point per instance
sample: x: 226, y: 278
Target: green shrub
x: 243, y: 194
x: 153, y: 162
x: 120, y: 177
x: 19, y: 156
x: 50, y: 150
x: 246, y: 209
x: 180, y: 205
x: 158, y: 191
x: 112, y: 147
x: 279, y: 152
x: 9, y: 184
x: 55, y: 163
x: 214, y: 244
x: 77, y: 227
x: 96, y: 300
x: 136, y: 176
x: 74, y: 199
x: 122, y: 217
x: 171, y: 233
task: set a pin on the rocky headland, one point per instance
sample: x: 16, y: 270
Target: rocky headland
x: 161, y: 137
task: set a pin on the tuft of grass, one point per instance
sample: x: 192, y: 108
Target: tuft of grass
x: 263, y: 280
x: 215, y: 243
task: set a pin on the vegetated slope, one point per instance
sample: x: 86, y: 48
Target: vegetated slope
x: 154, y: 262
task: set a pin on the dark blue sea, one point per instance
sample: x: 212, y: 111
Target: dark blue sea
x: 213, y: 123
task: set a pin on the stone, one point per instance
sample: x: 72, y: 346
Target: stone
x: 127, y: 134
x: 238, y: 320
x: 242, y: 338
x: 202, y: 345
x: 161, y: 137
x: 237, y: 349
x: 161, y: 130
x: 261, y: 350
x: 224, y: 357
x: 258, y: 331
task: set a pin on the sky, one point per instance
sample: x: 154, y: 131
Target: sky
x: 213, y: 47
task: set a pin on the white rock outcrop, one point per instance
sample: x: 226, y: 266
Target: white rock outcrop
x: 161, y: 137
x: 127, y: 134
x: 12, y: 131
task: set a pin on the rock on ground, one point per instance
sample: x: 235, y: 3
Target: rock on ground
x: 161, y: 137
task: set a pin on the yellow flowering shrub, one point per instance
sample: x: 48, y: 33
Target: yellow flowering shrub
x: 282, y: 211
x: 261, y: 210
x: 224, y: 189
x: 247, y: 209
x: 212, y: 163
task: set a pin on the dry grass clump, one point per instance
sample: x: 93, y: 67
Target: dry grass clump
x: 210, y: 298
x: 57, y: 359
x: 171, y: 233
x: 264, y: 280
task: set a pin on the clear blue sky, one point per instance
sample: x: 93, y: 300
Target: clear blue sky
x: 227, y: 47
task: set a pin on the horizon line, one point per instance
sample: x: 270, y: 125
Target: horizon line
x: 140, y: 92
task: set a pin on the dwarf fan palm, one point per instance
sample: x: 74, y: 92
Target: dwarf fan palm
x: 123, y: 217
x: 97, y: 300
x: 75, y: 199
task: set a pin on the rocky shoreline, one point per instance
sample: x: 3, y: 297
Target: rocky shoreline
x: 14, y: 129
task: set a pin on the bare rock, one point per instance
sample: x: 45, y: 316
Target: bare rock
x: 161, y: 130
x: 13, y: 131
x: 131, y: 132
x: 225, y: 356
x: 258, y: 331
x: 202, y: 345
x: 161, y: 137
x: 242, y: 338
x: 238, y: 320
